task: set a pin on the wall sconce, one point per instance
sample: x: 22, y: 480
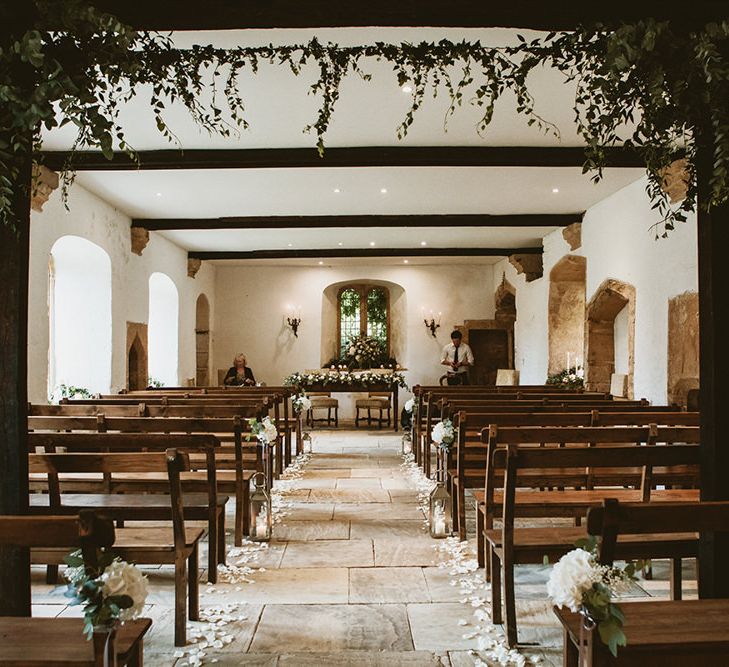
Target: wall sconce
x: 293, y: 319
x: 432, y: 323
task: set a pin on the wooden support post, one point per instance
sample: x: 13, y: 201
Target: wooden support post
x: 14, y: 245
x: 713, y: 242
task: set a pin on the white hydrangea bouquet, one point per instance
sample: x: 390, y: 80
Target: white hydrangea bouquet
x: 443, y: 434
x: 410, y: 405
x: 301, y: 403
x: 581, y: 584
x: 264, y: 431
x: 366, y: 350
x: 112, y: 590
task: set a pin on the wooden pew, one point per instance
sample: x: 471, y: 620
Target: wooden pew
x: 60, y: 641
x: 177, y: 545
x: 235, y: 465
x: 508, y: 546
x: 665, y: 633
x: 135, y: 497
x: 478, y: 434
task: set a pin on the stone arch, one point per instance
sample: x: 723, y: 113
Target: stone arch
x: 505, y: 302
x: 202, y: 341
x: 613, y: 300
x: 566, y: 312
x: 683, y: 347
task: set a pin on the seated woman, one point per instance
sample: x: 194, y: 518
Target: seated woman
x: 239, y: 374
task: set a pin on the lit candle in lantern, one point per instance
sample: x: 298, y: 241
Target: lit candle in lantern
x: 261, y: 525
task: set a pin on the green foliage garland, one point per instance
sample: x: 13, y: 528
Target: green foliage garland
x: 653, y: 86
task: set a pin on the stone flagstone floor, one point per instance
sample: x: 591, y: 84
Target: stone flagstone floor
x: 351, y: 578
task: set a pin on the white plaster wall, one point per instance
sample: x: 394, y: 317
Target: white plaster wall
x: 251, y: 306
x: 618, y: 242
x: 92, y: 218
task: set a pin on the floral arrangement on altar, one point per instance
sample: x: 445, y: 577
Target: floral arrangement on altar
x: 572, y: 378
x: 443, y: 434
x: 112, y: 590
x: 345, y: 377
x: 366, y: 352
x: 265, y: 430
x: 580, y: 583
x: 301, y: 403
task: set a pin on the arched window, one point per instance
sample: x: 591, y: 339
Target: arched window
x: 364, y: 310
x: 80, y: 316
x: 163, y: 330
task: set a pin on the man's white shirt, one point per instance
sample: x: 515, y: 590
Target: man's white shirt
x: 464, y: 354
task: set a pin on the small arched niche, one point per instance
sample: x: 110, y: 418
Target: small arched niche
x: 136, y: 356
x: 505, y: 302
x: 610, y: 336
x: 683, y: 347
x: 566, y: 312
x: 202, y: 341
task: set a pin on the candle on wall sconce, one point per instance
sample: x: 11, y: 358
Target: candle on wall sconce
x: 432, y: 322
x: 293, y: 319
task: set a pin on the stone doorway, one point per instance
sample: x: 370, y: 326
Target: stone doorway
x: 491, y: 352
x: 566, y: 312
x: 600, y: 336
x: 683, y: 347
x: 202, y: 342
x: 137, y: 367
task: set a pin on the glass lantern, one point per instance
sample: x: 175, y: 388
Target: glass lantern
x: 441, y: 522
x: 260, y: 514
x: 407, y: 444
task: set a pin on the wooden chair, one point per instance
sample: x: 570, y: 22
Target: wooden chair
x: 669, y: 633
x: 60, y: 641
x: 379, y: 401
x: 323, y: 401
x: 176, y: 545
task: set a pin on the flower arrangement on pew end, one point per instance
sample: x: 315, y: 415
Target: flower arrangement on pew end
x: 264, y: 431
x: 109, y: 591
x: 572, y: 378
x: 301, y: 403
x: 581, y: 584
x: 443, y: 434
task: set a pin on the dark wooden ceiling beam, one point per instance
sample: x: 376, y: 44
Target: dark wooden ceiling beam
x: 358, y: 221
x: 365, y: 252
x: 536, y: 14
x: 362, y: 156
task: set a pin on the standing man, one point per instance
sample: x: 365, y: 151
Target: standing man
x: 458, y: 357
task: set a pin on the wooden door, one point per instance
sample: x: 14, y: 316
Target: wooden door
x: 491, y: 351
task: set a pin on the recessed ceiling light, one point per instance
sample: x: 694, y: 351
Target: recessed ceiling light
x: 555, y: 191
x: 423, y: 243
x: 159, y: 194
x: 405, y: 261
x: 340, y: 243
x: 337, y: 190
x: 372, y: 243
x: 407, y: 88
x: 320, y: 263
x: 290, y: 245
x: 383, y: 191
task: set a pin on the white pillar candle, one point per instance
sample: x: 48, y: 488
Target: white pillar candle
x: 440, y: 525
x: 261, y: 526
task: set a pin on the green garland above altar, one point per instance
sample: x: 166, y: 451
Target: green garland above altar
x: 357, y: 379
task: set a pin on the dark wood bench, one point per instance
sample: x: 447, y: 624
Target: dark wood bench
x: 508, y: 546
x: 478, y: 433
x: 130, y: 496
x: 236, y: 461
x: 666, y: 633
x: 60, y: 642
x: 177, y: 545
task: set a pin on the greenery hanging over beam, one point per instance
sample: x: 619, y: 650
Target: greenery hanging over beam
x: 649, y: 86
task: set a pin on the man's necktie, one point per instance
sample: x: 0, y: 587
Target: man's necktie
x: 455, y: 356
